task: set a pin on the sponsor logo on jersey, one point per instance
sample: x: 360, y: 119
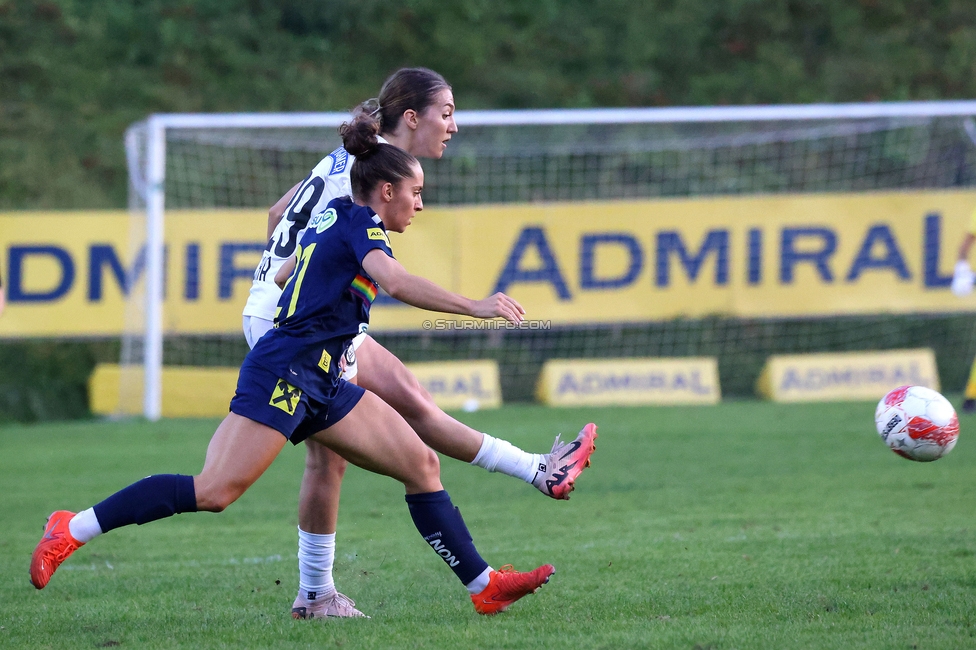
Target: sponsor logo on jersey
x: 285, y: 397
x: 340, y: 157
x: 378, y: 233
x: 323, y: 220
x: 325, y: 361
x: 261, y: 272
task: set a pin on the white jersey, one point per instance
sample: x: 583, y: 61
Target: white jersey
x: 328, y: 180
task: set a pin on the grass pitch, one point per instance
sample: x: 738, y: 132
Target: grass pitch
x: 745, y: 525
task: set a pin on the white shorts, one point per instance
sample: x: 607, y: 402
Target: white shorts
x: 255, y: 328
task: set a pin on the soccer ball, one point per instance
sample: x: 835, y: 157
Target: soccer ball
x: 917, y: 423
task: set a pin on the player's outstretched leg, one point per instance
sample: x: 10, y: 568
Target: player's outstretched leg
x: 556, y: 477
x: 507, y: 585
x: 382, y: 373
x: 55, y: 547
x: 226, y: 474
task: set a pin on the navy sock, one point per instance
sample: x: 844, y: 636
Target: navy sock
x: 441, y: 526
x: 152, y: 498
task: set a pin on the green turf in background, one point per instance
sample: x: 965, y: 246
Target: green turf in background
x: 745, y: 525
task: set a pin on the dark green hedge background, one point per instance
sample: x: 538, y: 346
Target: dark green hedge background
x: 74, y: 74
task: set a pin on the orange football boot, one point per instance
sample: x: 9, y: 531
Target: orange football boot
x: 506, y: 585
x: 55, y: 547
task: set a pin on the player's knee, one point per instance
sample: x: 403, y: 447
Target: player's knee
x: 423, y: 472
x: 323, y: 464
x: 316, y: 458
x: 430, y: 464
x: 337, y: 468
x: 331, y: 471
x: 218, y: 499
x: 214, y: 492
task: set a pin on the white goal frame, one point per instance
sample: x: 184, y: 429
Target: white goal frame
x: 147, y: 172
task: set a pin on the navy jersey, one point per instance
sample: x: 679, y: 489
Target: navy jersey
x: 326, y: 300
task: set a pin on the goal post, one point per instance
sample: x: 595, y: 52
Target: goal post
x: 185, y: 166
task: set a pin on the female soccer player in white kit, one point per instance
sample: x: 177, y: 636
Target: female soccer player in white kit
x: 415, y: 110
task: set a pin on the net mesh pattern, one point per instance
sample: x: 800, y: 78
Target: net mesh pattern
x: 252, y: 168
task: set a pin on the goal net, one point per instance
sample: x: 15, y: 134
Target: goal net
x: 201, y: 186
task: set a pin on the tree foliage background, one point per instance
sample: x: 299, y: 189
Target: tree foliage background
x: 75, y: 73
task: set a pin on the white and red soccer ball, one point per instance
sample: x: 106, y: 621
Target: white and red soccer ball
x: 917, y: 423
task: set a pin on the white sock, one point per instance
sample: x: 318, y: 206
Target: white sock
x: 478, y: 585
x: 497, y: 455
x: 84, y: 526
x: 316, y: 555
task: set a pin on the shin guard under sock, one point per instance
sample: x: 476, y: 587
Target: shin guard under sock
x: 441, y: 526
x: 152, y: 498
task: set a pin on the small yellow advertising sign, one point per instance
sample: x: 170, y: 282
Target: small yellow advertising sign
x: 846, y: 376
x: 597, y: 382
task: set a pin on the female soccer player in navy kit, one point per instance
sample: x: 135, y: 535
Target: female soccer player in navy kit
x: 415, y: 109
x: 290, y: 385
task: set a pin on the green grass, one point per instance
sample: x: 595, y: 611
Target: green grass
x: 746, y: 525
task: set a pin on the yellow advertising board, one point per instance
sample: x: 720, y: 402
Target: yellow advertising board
x: 206, y: 392
x: 70, y: 273
x: 188, y: 392
x: 846, y: 376
x: 468, y: 385
x: 652, y: 260
x: 600, y: 382
x: 566, y: 263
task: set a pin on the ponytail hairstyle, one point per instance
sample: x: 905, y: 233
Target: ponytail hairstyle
x: 376, y: 162
x: 405, y: 89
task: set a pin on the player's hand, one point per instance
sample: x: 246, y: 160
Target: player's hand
x: 499, y: 305
x: 962, y: 279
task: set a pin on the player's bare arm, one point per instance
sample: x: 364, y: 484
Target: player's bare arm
x: 421, y: 292
x: 281, y: 277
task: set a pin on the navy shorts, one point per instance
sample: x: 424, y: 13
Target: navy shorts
x: 264, y: 397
